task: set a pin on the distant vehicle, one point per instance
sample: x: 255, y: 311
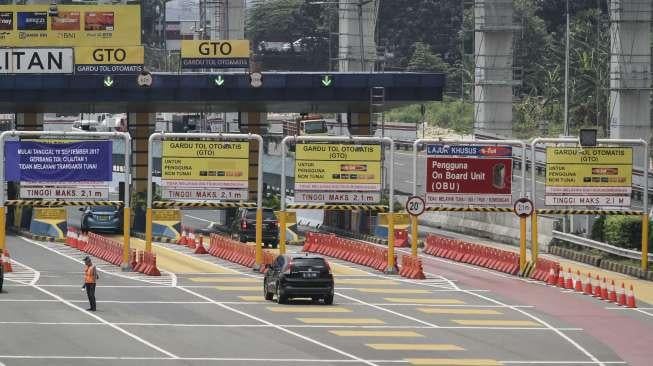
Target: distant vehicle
x: 306, y: 125
x: 299, y: 276
x: 243, y: 227
x: 101, y: 218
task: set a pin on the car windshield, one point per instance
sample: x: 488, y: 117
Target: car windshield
x: 309, y: 262
x: 268, y: 214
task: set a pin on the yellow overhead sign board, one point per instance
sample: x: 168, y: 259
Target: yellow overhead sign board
x: 590, y: 176
x: 49, y: 213
x: 75, y: 25
x: 110, y: 55
x: 166, y: 215
x: 338, y: 152
x: 198, y: 54
x: 205, y: 169
x: 359, y: 172
x: 206, y: 149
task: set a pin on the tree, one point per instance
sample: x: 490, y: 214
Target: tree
x: 423, y: 59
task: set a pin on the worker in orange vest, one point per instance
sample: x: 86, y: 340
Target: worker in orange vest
x: 90, y: 278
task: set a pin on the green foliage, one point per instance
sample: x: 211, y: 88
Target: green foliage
x: 272, y: 201
x: 453, y: 114
x: 623, y: 231
x: 598, y: 229
x: 423, y: 59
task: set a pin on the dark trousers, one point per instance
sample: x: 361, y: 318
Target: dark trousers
x: 90, y: 292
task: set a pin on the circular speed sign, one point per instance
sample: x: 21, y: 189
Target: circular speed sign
x: 523, y: 207
x: 415, y: 205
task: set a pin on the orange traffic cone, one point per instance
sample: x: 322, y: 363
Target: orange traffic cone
x: 630, y: 298
x: 578, y: 284
x: 192, y: 240
x: 551, y: 279
x: 587, y: 289
x: 569, y: 280
x: 604, y: 289
x: 597, y: 287
x: 561, y: 279
x: 612, y: 294
x: 6, y: 261
x: 621, y: 296
x: 182, y: 239
x: 200, y: 247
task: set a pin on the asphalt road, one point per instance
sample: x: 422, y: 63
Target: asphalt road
x: 220, y: 317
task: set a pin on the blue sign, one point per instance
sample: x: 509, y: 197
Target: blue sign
x: 33, y: 161
x: 468, y: 150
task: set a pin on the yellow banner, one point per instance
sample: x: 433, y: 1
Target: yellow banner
x: 580, y: 175
x: 205, y: 169
x: 49, y: 213
x: 400, y: 219
x: 166, y: 215
x: 128, y: 55
x: 291, y: 216
x: 206, y: 149
x: 215, y: 49
x: 75, y: 25
x: 589, y: 155
x: 338, y: 152
x: 352, y: 172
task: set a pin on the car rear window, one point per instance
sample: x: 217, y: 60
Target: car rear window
x: 267, y: 215
x: 309, y: 262
x: 103, y: 209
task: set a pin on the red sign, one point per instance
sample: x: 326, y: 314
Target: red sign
x: 461, y: 180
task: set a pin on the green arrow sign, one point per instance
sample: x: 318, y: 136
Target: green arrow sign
x: 327, y: 80
x: 218, y: 80
x: 108, y: 81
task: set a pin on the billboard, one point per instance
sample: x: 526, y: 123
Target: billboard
x: 200, y: 54
x: 205, y: 170
x: 589, y: 176
x: 109, y: 60
x: 36, y: 60
x: 468, y: 175
x: 338, y: 173
x: 75, y: 25
x: 82, y: 161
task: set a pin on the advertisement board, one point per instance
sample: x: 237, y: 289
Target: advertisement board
x: 36, y: 60
x: 109, y: 60
x: 468, y: 175
x: 200, y: 54
x: 588, y: 176
x: 205, y: 170
x: 82, y: 161
x: 338, y: 173
x: 74, y: 25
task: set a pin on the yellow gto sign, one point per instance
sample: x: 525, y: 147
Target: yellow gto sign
x: 49, y: 213
x: 75, y: 25
x: 589, y: 167
x: 108, y: 59
x: 206, y: 149
x: 206, y: 161
x: 197, y: 54
x: 166, y: 215
x: 338, y: 152
x: 338, y: 172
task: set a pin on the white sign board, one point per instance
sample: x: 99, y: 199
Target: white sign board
x: 36, y: 61
x: 338, y: 197
x: 66, y: 192
x: 199, y: 194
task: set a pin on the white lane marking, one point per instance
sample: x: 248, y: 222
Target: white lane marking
x: 199, y: 218
x: 50, y: 323
x: 643, y: 312
x: 96, y: 317
x: 377, y: 307
x: 191, y: 325
x: 278, y: 327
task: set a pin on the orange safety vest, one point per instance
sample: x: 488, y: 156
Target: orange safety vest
x: 89, y: 275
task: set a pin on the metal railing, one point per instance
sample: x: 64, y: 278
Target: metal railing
x: 604, y: 247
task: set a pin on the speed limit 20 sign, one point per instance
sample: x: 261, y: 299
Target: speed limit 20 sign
x: 415, y: 205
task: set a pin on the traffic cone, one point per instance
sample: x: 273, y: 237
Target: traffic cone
x: 597, y: 287
x: 6, y: 261
x: 621, y: 296
x: 578, y: 284
x: 630, y: 298
x: 191, y: 240
x: 612, y: 294
x: 551, y: 279
x: 569, y: 280
x: 561, y: 278
x: 587, y: 289
x: 604, y: 289
x: 182, y: 238
x: 200, y: 247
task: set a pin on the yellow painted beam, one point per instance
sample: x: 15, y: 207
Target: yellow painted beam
x: 414, y: 347
x: 393, y: 291
x: 339, y: 269
x: 496, y: 323
x: 459, y: 311
x: 308, y: 309
x: 239, y: 288
x: 225, y: 280
x: 365, y: 281
x: 402, y: 300
x: 341, y: 321
x: 376, y: 333
x: 452, y: 362
x: 252, y: 298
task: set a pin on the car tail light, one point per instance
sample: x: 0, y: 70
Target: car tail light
x: 243, y: 224
x: 289, y: 268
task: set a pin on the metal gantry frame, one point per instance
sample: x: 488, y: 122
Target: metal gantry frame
x: 161, y: 136
x: 67, y: 135
x: 609, y: 142
x: 522, y: 221
x: 341, y: 139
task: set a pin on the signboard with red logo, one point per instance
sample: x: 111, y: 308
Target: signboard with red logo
x: 468, y: 175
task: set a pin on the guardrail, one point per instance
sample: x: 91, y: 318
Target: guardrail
x: 589, y: 243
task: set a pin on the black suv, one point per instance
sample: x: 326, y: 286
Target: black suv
x: 297, y: 275
x: 243, y: 227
